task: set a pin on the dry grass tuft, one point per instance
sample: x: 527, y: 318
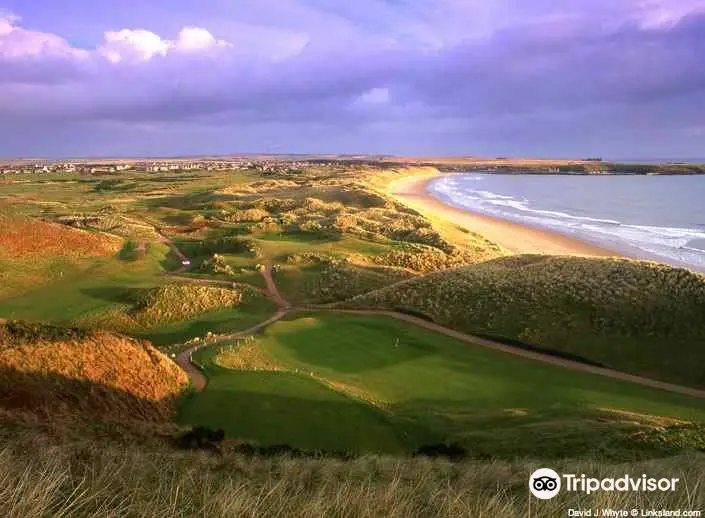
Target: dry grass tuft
x: 96, y: 480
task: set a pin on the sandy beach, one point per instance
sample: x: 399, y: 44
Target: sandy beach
x: 519, y: 239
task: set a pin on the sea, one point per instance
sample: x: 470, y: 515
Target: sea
x: 660, y: 218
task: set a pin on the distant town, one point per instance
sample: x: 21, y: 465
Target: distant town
x: 175, y: 165
x: 287, y: 164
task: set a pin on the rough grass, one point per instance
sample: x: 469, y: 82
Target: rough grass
x: 639, y: 317
x: 330, y: 280
x: 99, y: 480
x: 59, y: 372
x: 173, y: 302
x: 245, y: 356
x: 106, y: 221
x: 25, y: 237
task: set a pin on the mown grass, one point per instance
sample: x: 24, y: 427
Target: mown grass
x: 637, y: 317
x: 83, y: 290
x: 431, y: 389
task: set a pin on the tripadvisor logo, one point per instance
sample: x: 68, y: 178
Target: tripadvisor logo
x: 545, y: 483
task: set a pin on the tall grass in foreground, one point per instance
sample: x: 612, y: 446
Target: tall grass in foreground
x: 97, y: 481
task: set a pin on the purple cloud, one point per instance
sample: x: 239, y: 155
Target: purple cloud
x: 392, y: 73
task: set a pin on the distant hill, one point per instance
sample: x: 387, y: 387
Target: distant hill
x: 59, y: 374
x: 633, y: 316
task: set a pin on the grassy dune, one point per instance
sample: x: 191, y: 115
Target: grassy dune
x: 369, y: 383
x: 174, y: 313
x: 34, y: 252
x: 95, y: 377
x: 638, y: 317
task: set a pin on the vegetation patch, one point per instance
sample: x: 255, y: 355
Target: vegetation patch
x: 178, y: 301
x: 230, y: 245
x: 24, y: 237
x: 340, y: 280
x: 639, y: 317
x: 64, y: 373
x: 246, y: 356
x: 142, y: 481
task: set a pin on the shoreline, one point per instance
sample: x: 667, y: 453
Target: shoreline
x: 514, y: 237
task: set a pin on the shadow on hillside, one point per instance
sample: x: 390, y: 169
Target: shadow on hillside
x: 334, y: 422
x: 116, y: 295
x: 187, y: 329
x: 54, y: 396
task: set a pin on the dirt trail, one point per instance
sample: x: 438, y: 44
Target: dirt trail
x: 199, y: 381
x: 178, y: 253
x: 273, y: 290
x: 166, y: 239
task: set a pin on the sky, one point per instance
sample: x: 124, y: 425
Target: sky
x: 539, y: 78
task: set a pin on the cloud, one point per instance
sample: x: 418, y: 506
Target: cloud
x: 133, y: 45
x: 195, y: 39
x: 446, y: 69
x: 141, y: 45
x: 17, y: 43
x: 375, y: 96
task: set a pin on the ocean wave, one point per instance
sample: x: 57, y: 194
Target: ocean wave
x: 670, y: 243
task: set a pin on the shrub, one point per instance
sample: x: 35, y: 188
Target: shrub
x: 453, y: 451
x: 216, y: 264
x: 310, y: 226
x: 266, y: 226
x: 201, y: 437
x: 247, y: 215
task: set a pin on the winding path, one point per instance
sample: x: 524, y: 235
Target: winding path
x: 198, y: 378
x: 184, y: 359
x: 199, y: 381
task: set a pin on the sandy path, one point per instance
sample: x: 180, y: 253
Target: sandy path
x: 178, y: 253
x: 274, y: 294
x: 516, y: 238
x: 198, y: 378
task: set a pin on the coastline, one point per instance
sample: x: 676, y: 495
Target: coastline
x: 514, y: 237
